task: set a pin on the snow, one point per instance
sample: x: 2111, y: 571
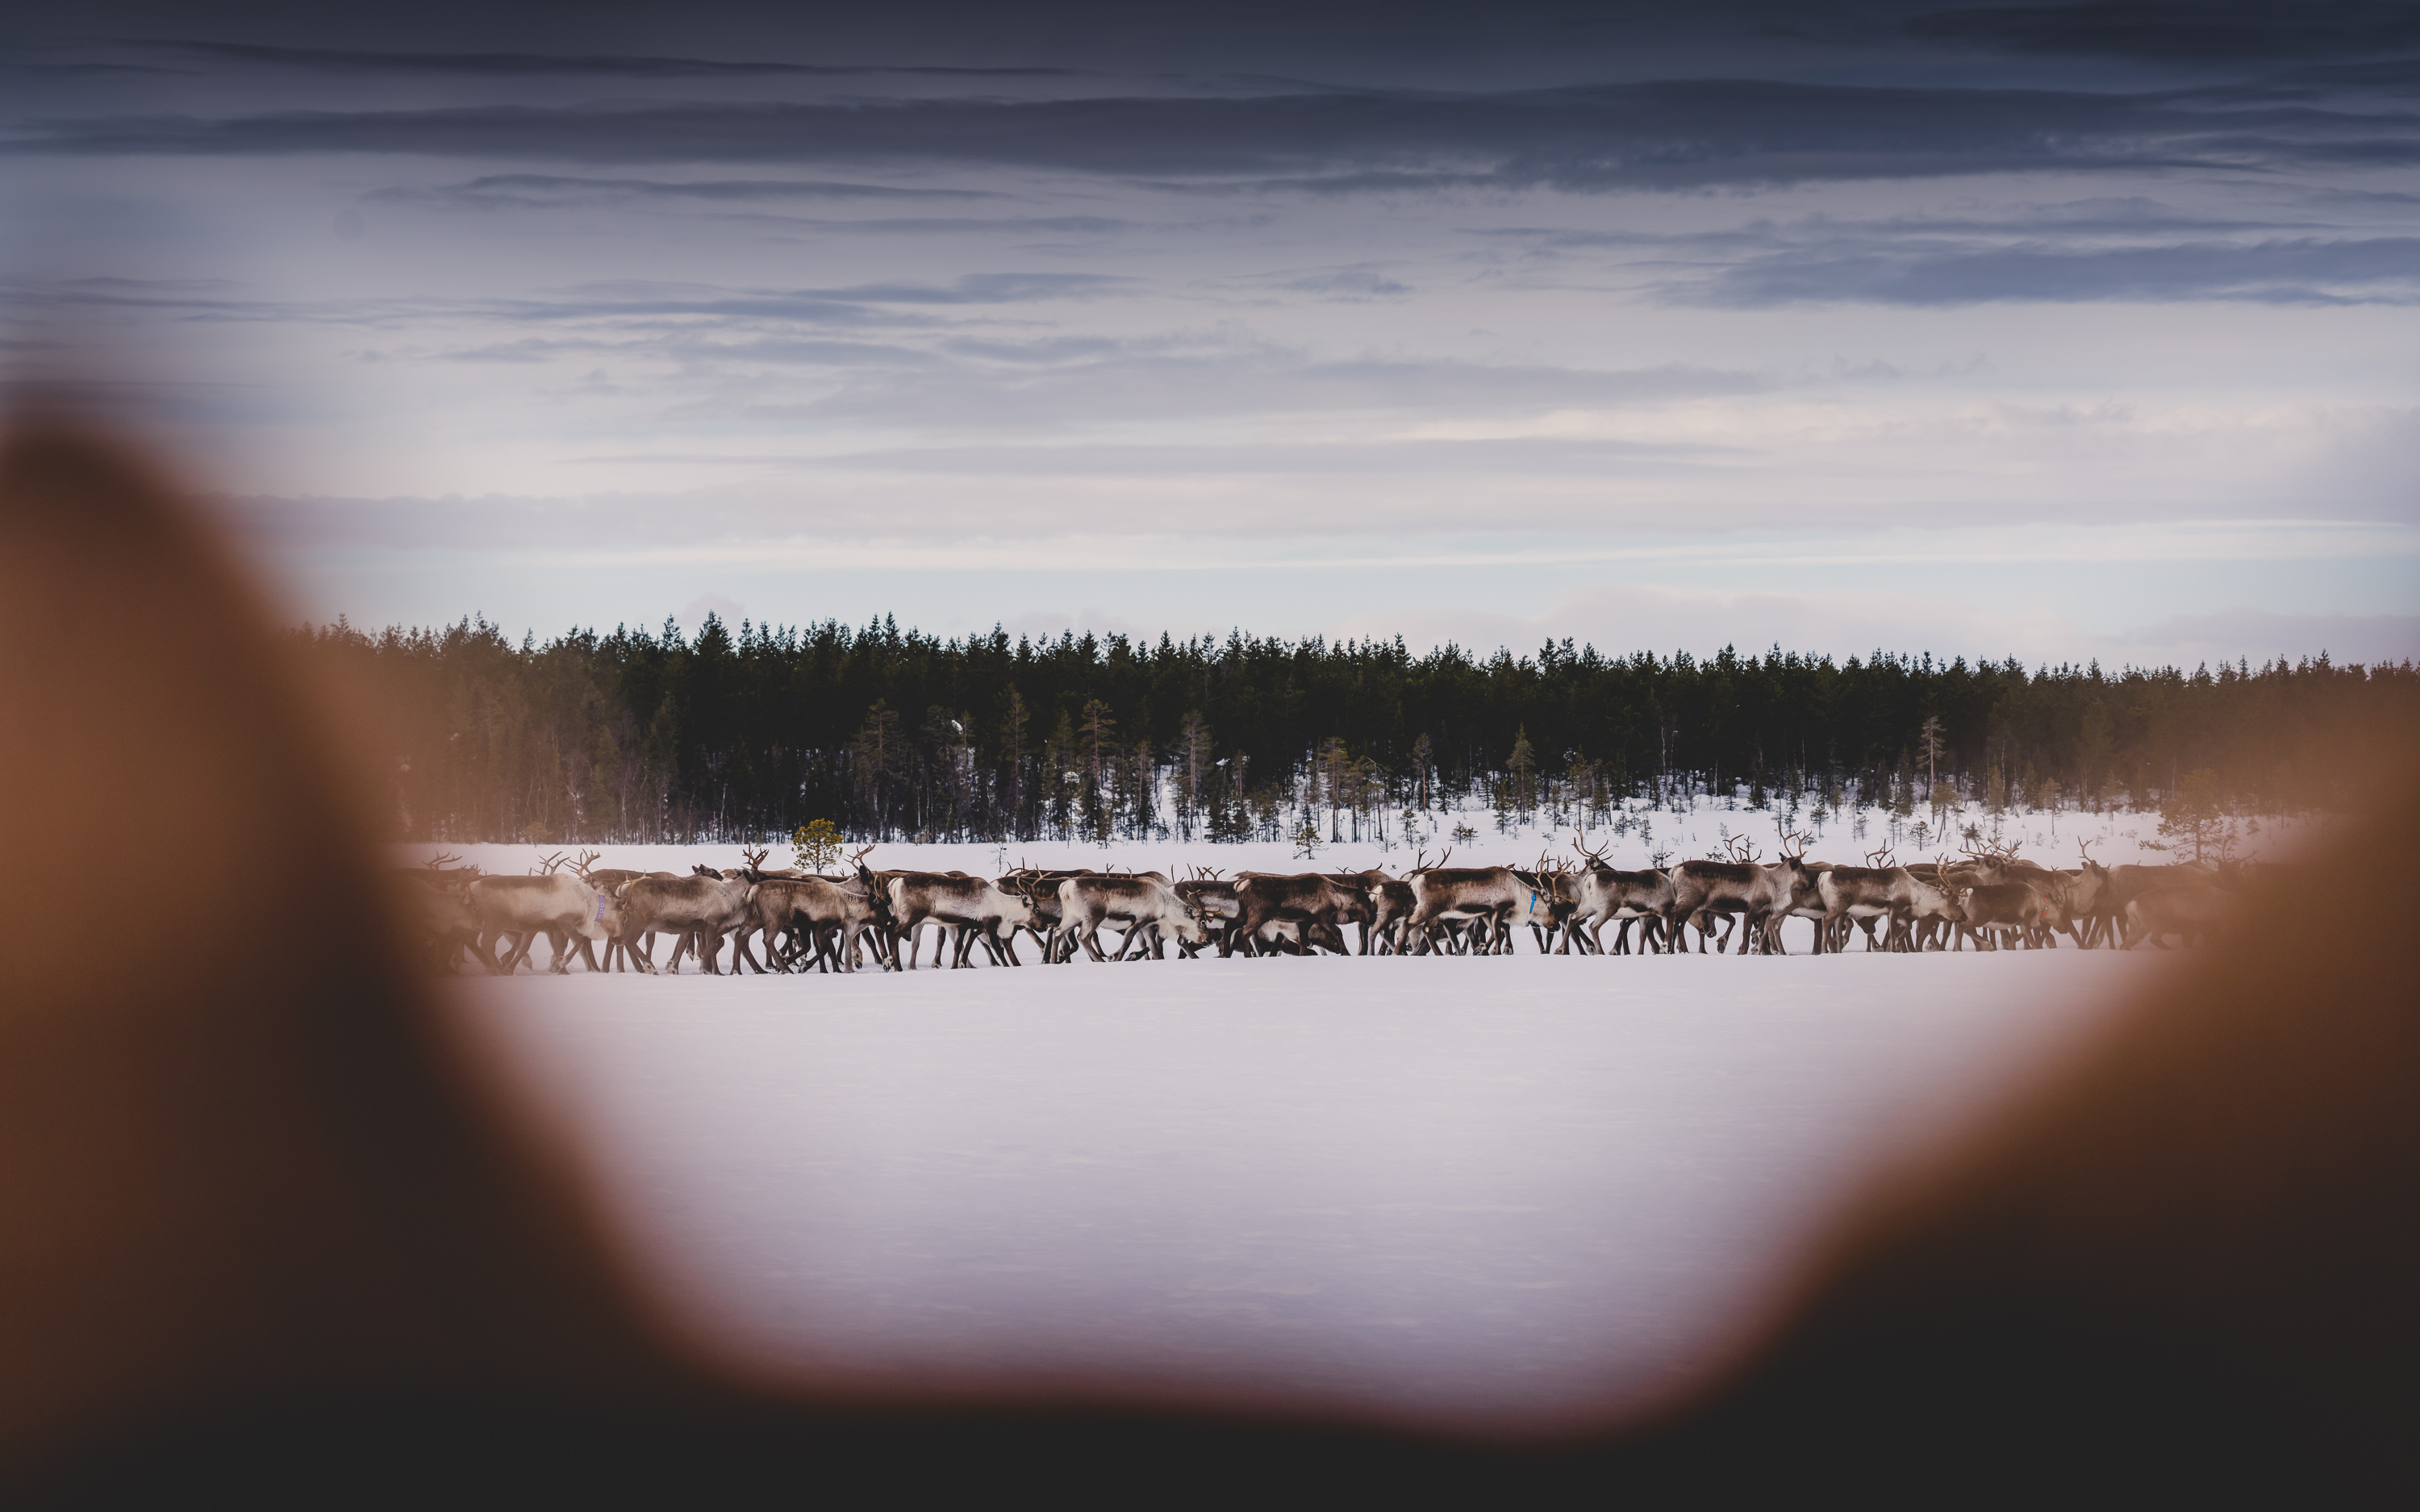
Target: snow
x: 1434, y: 1189
x: 2050, y: 837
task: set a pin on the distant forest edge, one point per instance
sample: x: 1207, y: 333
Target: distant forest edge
x: 892, y: 735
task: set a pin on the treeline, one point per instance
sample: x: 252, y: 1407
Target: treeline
x: 896, y: 735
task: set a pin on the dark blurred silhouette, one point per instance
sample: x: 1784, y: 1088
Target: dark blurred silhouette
x: 270, y: 1231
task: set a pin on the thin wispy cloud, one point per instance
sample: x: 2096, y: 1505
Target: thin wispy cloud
x: 522, y: 65
x: 2303, y: 271
x: 532, y: 190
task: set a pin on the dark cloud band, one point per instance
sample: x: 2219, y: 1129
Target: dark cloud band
x: 1650, y: 135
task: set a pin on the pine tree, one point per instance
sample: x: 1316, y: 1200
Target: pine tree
x: 2194, y: 816
x: 1521, y: 771
x: 1099, y: 736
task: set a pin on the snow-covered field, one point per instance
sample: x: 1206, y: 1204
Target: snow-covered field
x: 1424, y: 1188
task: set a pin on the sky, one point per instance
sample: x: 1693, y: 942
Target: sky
x: 2048, y: 331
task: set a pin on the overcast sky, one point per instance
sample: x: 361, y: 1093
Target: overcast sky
x: 2051, y: 332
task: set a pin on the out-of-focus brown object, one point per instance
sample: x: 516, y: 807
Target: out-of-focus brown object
x: 265, y: 1234
x: 237, y: 1159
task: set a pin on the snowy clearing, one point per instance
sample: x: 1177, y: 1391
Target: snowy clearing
x: 1429, y: 1188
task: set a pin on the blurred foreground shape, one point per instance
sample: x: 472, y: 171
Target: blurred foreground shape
x: 272, y: 1232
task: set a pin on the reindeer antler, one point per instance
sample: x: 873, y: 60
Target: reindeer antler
x: 439, y: 861
x: 549, y: 863
x: 1801, y: 840
x: 587, y: 859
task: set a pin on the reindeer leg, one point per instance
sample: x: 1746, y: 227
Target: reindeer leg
x: 520, y: 950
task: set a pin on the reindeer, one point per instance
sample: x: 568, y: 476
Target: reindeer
x: 1492, y: 898
x: 1610, y: 895
x: 523, y: 908
x: 1553, y: 882
x: 2092, y: 897
x: 611, y: 880
x: 2011, y: 909
x: 1761, y: 895
x: 1391, y: 903
x: 1261, y: 897
x: 1376, y: 916
x: 973, y: 906
x: 1213, y: 898
x: 1040, y: 889
x: 1086, y: 902
x: 2127, y: 883
x: 700, y: 908
x: 830, y: 921
x: 433, y: 908
x: 2189, y: 911
x: 1865, y: 893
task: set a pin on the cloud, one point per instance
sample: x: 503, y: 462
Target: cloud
x: 625, y: 302
x: 519, y: 65
x: 2179, y: 31
x: 1674, y: 135
x: 2301, y: 270
x: 535, y: 190
x: 1356, y: 285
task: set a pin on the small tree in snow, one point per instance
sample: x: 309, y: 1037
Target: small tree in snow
x: 818, y: 843
x: 1306, y: 838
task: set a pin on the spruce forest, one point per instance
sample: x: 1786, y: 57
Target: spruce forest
x: 896, y: 735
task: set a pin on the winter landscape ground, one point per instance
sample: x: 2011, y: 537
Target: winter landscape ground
x: 1445, y: 1190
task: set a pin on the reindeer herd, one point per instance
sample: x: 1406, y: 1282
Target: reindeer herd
x: 787, y: 920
